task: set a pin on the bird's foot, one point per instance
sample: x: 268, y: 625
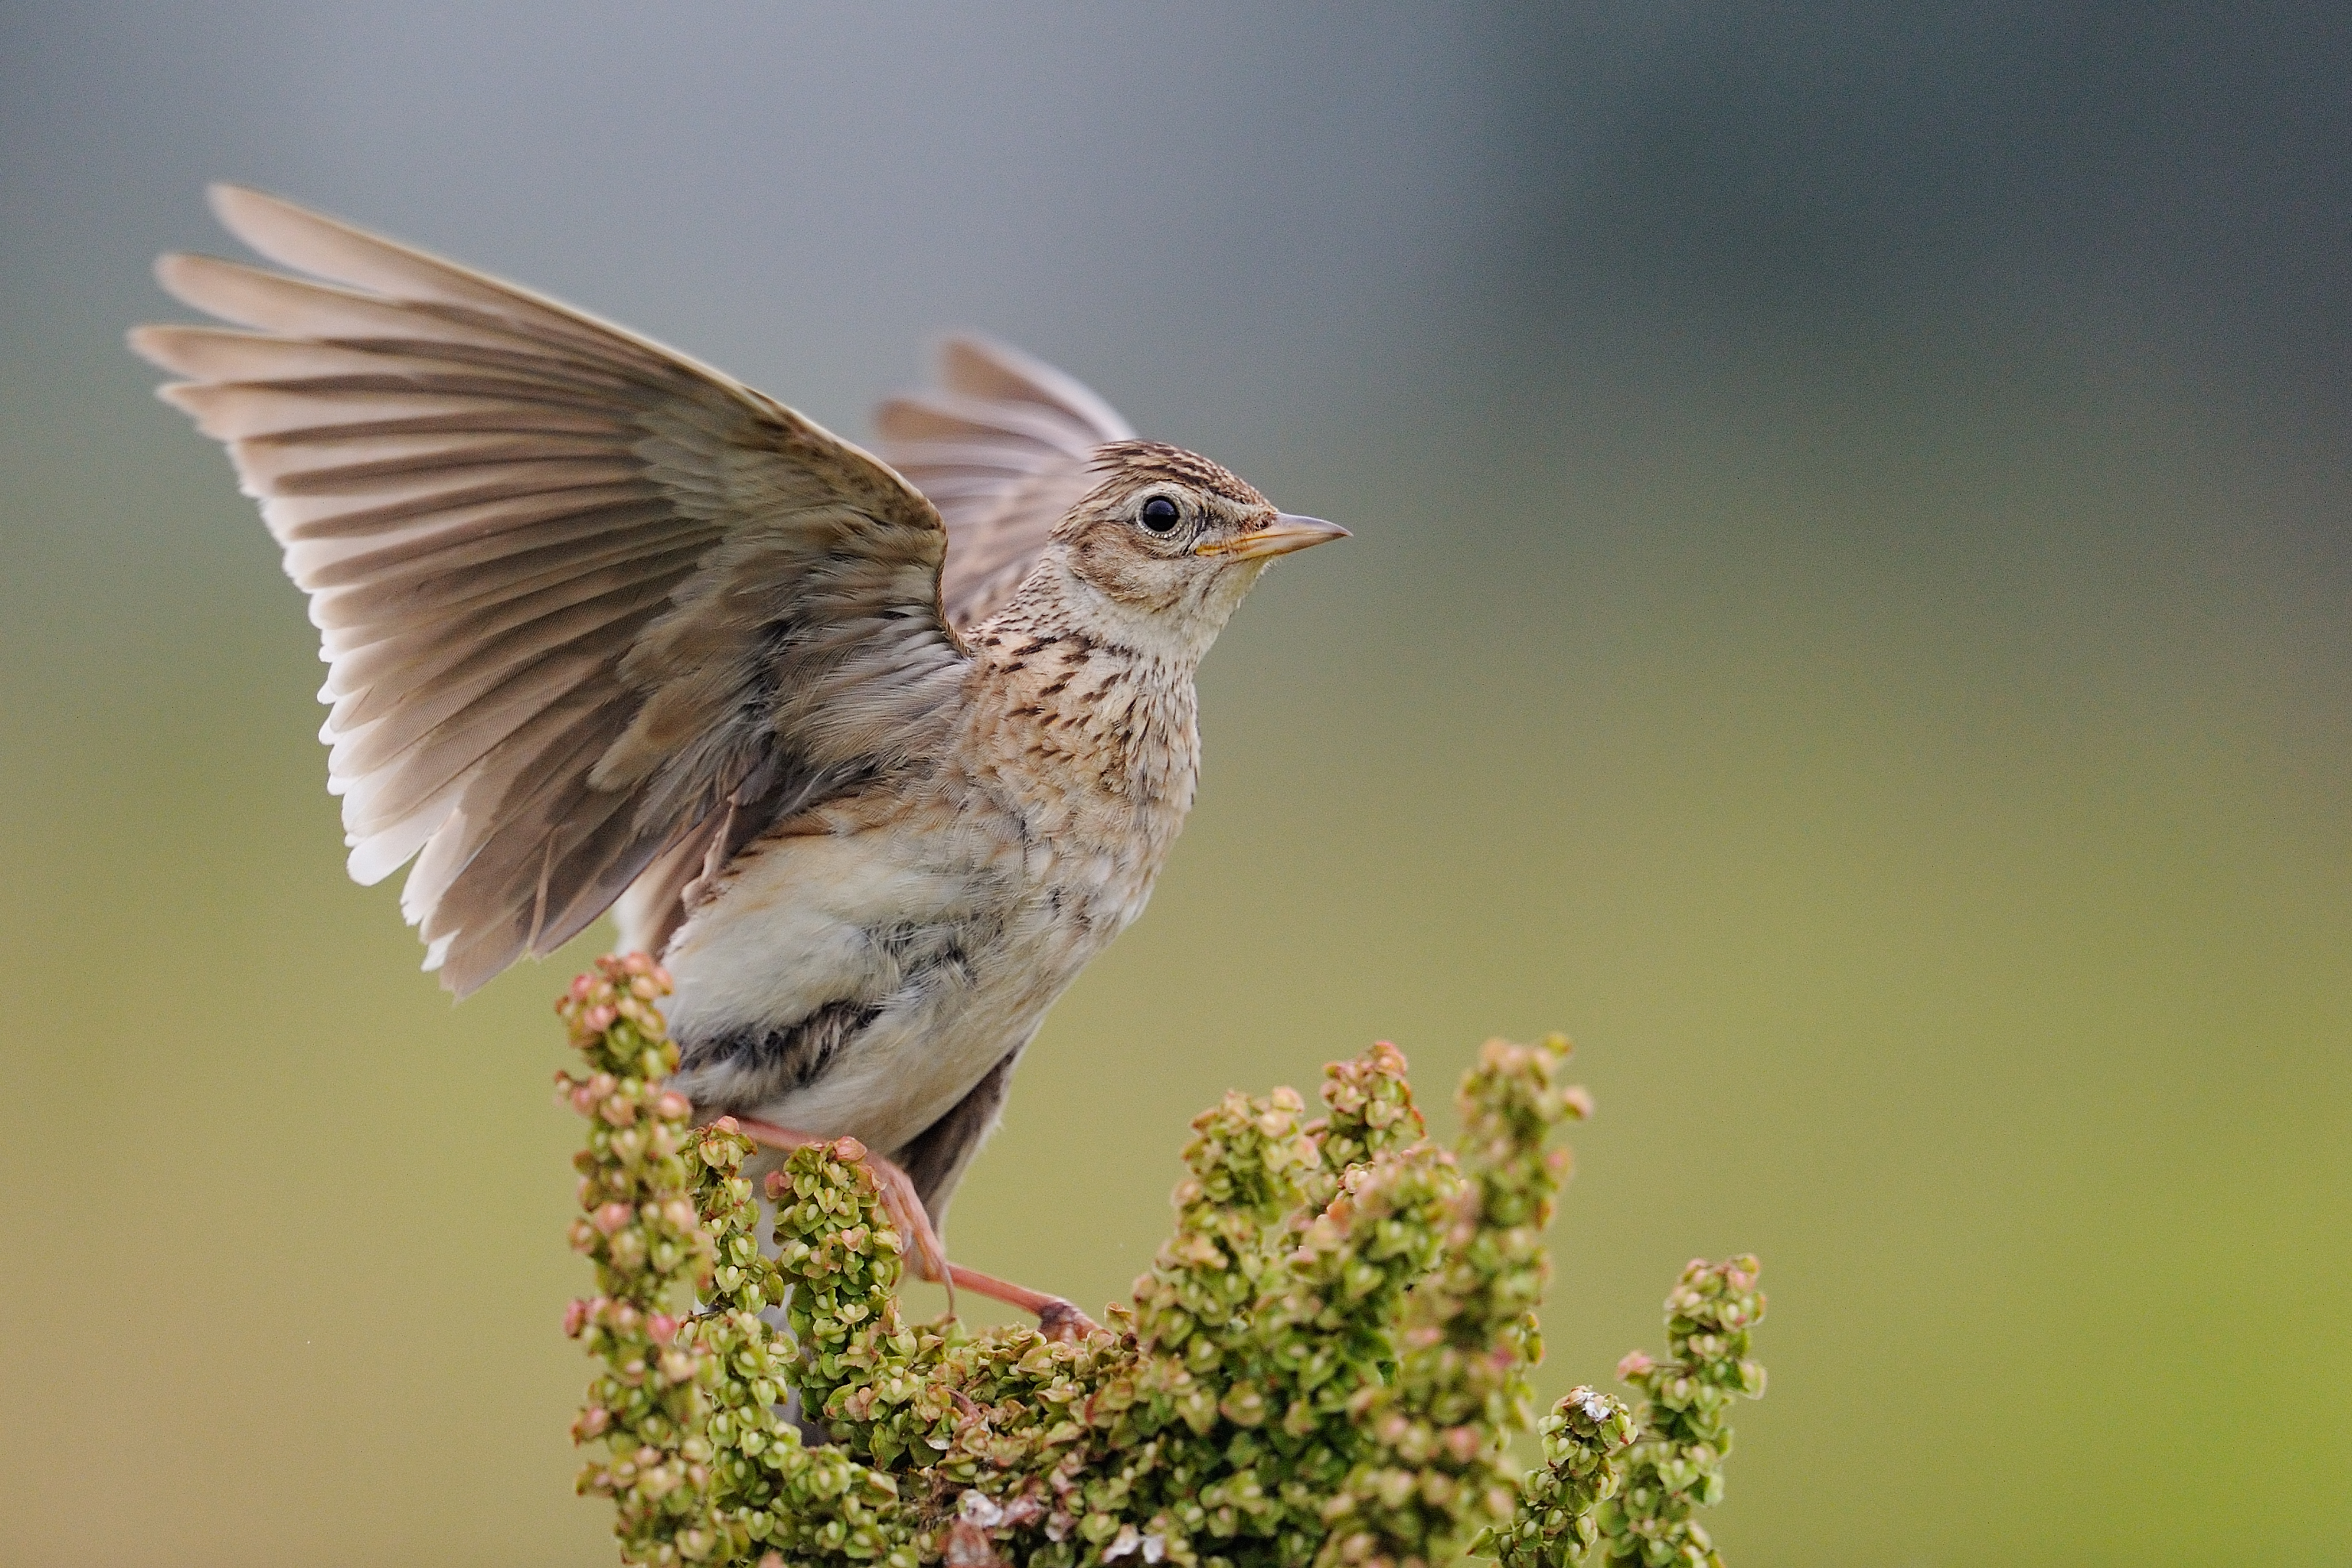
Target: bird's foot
x: 1058, y: 1319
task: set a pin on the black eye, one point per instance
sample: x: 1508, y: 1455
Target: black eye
x: 1159, y: 515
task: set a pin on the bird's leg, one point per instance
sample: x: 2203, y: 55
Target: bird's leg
x: 1058, y: 1319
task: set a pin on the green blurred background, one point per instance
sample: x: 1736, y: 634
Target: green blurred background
x: 1848, y: 617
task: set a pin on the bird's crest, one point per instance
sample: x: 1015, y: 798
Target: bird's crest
x: 1141, y: 463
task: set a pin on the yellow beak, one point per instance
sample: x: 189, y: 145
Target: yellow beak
x: 1280, y: 537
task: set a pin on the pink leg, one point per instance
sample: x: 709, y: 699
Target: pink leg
x: 1058, y: 1319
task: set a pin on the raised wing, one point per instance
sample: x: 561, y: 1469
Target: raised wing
x: 1004, y: 450
x: 583, y: 600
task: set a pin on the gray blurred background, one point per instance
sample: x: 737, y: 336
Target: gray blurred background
x: 1848, y: 616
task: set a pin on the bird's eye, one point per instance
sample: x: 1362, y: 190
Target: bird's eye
x: 1159, y: 515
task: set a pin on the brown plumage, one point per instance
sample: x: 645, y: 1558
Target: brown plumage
x: 875, y: 757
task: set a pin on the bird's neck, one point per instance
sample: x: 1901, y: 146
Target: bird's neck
x: 1077, y: 710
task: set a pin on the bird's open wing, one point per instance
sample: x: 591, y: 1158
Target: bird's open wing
x: 1002, y: 448
x: 583, y: 599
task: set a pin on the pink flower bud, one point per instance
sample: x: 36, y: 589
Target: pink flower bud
x: 673, y: 1106
x: 575, y: 1317
x: 661, y: 1328
x: 611, y: 1217
x: 1634, y: 1365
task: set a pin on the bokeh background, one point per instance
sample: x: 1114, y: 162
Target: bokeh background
x: 1848, y: 617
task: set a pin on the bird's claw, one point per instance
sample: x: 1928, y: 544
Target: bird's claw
x: 1062, y: 1322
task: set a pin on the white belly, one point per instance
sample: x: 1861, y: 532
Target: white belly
x: 954, y: 944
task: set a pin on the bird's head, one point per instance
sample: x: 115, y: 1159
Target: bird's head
x: 1162, y: 550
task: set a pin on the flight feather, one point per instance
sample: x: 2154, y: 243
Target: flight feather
x: 583, y: 600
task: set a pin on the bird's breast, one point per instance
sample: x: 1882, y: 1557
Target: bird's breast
x: 1094, y: 748
x: 859, y: 970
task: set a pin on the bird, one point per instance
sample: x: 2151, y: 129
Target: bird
x: 872, y: 752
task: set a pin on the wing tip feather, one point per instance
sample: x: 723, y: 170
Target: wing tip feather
x: 148, y: 340
x: 241, y: 209
x: 221, y: 193
x: 170, y: 268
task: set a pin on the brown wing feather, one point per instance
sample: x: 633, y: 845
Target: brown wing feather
x: 1002, y: 448
x: 585, y: 602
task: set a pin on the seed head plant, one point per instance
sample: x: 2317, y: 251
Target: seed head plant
x: 1324, y: 1366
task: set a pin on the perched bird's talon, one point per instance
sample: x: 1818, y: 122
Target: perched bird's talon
x: 1063, y: 1324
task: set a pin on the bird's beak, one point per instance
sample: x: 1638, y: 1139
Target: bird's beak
x: 1280, y: 537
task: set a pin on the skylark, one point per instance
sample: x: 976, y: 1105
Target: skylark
x: 873, y: 756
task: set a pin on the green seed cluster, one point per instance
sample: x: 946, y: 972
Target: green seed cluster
x: 1322, y: 1366
x: 1554, y: 1523
x: 1676, y: 1465
x: 649, y: 1405
x: 773, y: 1499
x: 1439, y: 1427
